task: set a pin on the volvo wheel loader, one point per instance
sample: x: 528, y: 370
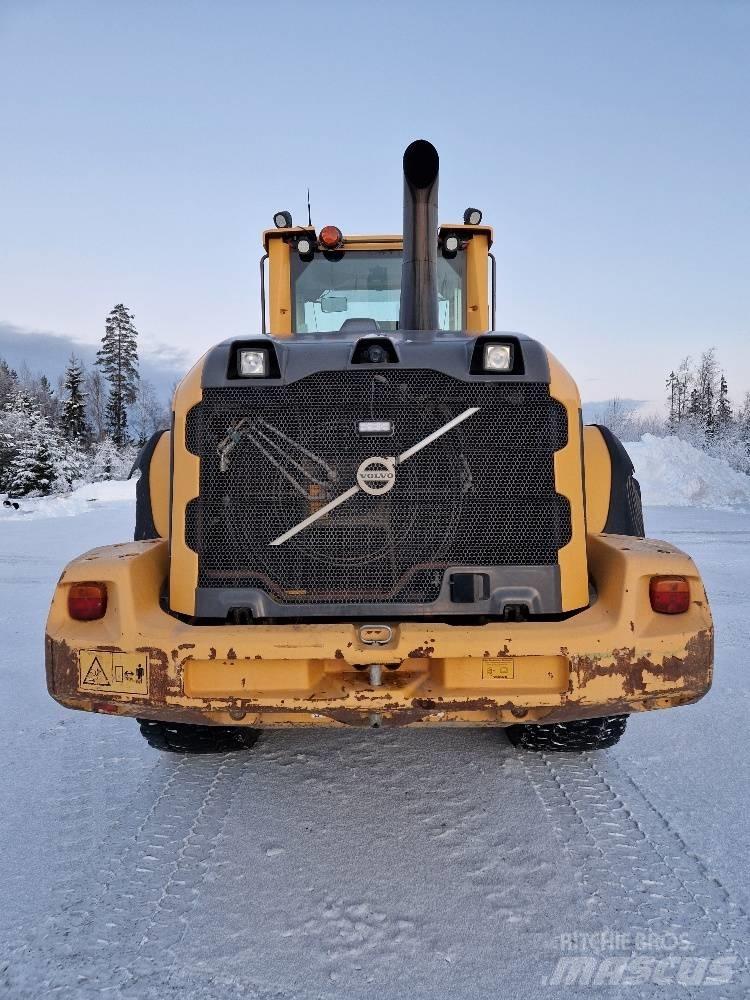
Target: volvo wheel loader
x: 377, y: 510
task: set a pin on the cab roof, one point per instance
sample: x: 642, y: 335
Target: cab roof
x: 374, y: 241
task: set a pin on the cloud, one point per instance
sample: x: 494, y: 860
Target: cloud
x: 48, y: 353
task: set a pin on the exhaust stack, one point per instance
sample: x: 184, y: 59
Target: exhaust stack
x: 419, y: 299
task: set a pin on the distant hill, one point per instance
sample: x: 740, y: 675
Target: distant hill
x: 593, y: 411
x: 48, y: 353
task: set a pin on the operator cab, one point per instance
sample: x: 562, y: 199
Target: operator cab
x: 325, y: 283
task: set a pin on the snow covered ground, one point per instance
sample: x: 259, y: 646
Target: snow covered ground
x: 367, y: 864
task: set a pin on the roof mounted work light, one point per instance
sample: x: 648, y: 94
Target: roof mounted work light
x: 306, y: 247
x: 282, y: 220
x: 472, y: 217
x: 451, y: 245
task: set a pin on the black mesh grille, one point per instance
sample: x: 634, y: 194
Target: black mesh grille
x: 482, y: 494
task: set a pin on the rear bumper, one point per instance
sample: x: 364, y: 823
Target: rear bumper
x: 615, y: 657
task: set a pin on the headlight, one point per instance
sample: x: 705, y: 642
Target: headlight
x: 450, y: 246
x: 252, y: 363
x: 498, y: 357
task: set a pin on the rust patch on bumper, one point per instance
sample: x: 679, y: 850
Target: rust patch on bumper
x: 694, y: 669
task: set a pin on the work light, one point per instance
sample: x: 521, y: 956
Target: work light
x: 252, y: 363
x: 304, y: 247
x: 498, y: 357
x: 472, y: 217
x: 450, y: 246
x: 282, y: 220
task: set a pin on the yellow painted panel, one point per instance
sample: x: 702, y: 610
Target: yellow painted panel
x: 574, y: 580
x: 598, y: 469
x: 159, y: 485
x: 235, y: 678
x: 279, y: 289
x: 183, y: 571
x: 477, y: 286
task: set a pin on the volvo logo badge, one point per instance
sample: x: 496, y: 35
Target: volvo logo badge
x: 377, y: 476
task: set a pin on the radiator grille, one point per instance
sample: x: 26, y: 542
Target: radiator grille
x: 482, y: 494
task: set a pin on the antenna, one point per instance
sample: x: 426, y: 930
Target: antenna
x: 309, y: 216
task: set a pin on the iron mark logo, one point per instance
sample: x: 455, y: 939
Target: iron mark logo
x: 377, y: 476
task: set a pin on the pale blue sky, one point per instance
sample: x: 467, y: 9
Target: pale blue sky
x: 145, y: 145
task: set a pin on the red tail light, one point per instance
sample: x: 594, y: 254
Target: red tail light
x: 87, y: 601
x: 331, y: 237
x: 670, y: 595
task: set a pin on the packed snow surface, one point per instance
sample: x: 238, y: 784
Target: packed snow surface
x: 673, y: 473
x: 369, y: 863
x: 79, y: 501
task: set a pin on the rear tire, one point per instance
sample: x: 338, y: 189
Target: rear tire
x: 572, y: 737
x: 178, y: 737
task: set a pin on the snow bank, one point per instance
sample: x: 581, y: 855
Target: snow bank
x: 92, y: 495
x: 673, y: 473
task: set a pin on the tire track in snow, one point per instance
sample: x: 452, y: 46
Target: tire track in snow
x: 79, y: 813
x: 115, y: 925
x: 627, y: 854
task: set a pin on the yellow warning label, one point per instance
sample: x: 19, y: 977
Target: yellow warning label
x: 119, y: 673
x: 500, y: 668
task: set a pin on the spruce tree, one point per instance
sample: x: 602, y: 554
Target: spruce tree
x: 723, y: 408
x: 8, y: 382
x: 743, y: 423
x: 29, y: 466
x: 118, y: 359
x: 705, y: 378
x: 673, y: 397
x: 73, y: 419
x: 685, y: 379
x: 33, y: 469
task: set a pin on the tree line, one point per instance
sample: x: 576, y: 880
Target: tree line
x: 90, y: 425
x: 698, y: 409
x: 86, y: 428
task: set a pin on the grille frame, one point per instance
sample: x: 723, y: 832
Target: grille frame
x: 536, y: 584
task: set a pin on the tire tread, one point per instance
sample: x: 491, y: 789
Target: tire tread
x: 177, y: 737
x: 571, y: 737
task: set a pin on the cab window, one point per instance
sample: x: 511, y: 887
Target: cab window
x: 360, y: 284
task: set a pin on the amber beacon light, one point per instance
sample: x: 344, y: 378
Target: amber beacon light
x: 331, y: 237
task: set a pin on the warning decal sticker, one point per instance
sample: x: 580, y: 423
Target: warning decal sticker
x: 500, y: 667
x: 120, y: 673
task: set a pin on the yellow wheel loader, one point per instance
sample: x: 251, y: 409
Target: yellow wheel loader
x: 380, y: 511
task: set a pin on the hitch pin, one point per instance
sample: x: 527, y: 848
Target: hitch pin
x: 376, y: 674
